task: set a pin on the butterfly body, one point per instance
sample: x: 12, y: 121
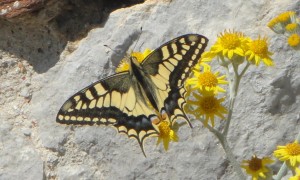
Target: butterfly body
x: 136, y: 100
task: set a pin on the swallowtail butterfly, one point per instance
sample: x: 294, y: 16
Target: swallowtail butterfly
x: 133, y: 101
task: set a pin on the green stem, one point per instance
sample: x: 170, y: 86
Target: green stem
x: 228, y: 120
x: 245, y: 69
x: 232, y: 159
x: 234, y: 83
x: 234, y: 86
x: 282, y: 172
x: 228, y: 152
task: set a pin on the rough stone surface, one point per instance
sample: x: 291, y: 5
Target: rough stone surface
x: 50, y: 68
x: 13, y: 8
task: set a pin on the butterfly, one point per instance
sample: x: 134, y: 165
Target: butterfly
x: 136, y: 100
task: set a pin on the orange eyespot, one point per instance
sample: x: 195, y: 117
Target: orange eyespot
x: 155, y: 120
x: 164, y: 116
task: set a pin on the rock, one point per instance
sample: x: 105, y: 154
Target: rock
x: 54, y: 142
x: 7, y: 64
x: 19, y: 159
x: 25, y: 92
x: 27, y: 132
x: 52, y: 160
x: 27, y: 83
x: 76, y: 172
x: 4, y: 65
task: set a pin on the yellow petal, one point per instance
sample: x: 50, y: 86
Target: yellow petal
x: 146, y: 52
x: 293, y: 161
x: 257, y: 58
x: 225, y: 52
x: 166, y: 144
x: 239, y: 51
x: 268, y: 62
x: 230, y: 54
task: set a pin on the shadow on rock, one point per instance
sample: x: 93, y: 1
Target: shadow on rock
x: 38, y: 30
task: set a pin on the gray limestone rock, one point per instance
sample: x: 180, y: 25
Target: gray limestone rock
x: 19, y: 158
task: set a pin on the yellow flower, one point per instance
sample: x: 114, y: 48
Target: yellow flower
x: 278, y: 24
x: 289, y: 153
x: 294, y: 40
x: 228, y: 44
x: 256, y: 167
x: 258, y: 50
x: 124, y: 64
x: 141, y: 56
x: 206, y: 80
x: 297, y: 176
x: 166, y: 134
x: 292, y: 27
x: 207, y: 105
x: 286, y: 16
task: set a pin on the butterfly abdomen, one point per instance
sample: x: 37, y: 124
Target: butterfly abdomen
x: 144, y: 83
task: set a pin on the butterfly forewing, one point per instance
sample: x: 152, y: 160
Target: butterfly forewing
x: 169, y: 66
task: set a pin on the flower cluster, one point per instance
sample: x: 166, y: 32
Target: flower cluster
x: 287, y: 23
x: 236, y: 47
x: 203, y: 88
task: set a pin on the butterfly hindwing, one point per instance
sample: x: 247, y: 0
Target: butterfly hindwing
x: 112, y: 101
x: 169, y: 66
